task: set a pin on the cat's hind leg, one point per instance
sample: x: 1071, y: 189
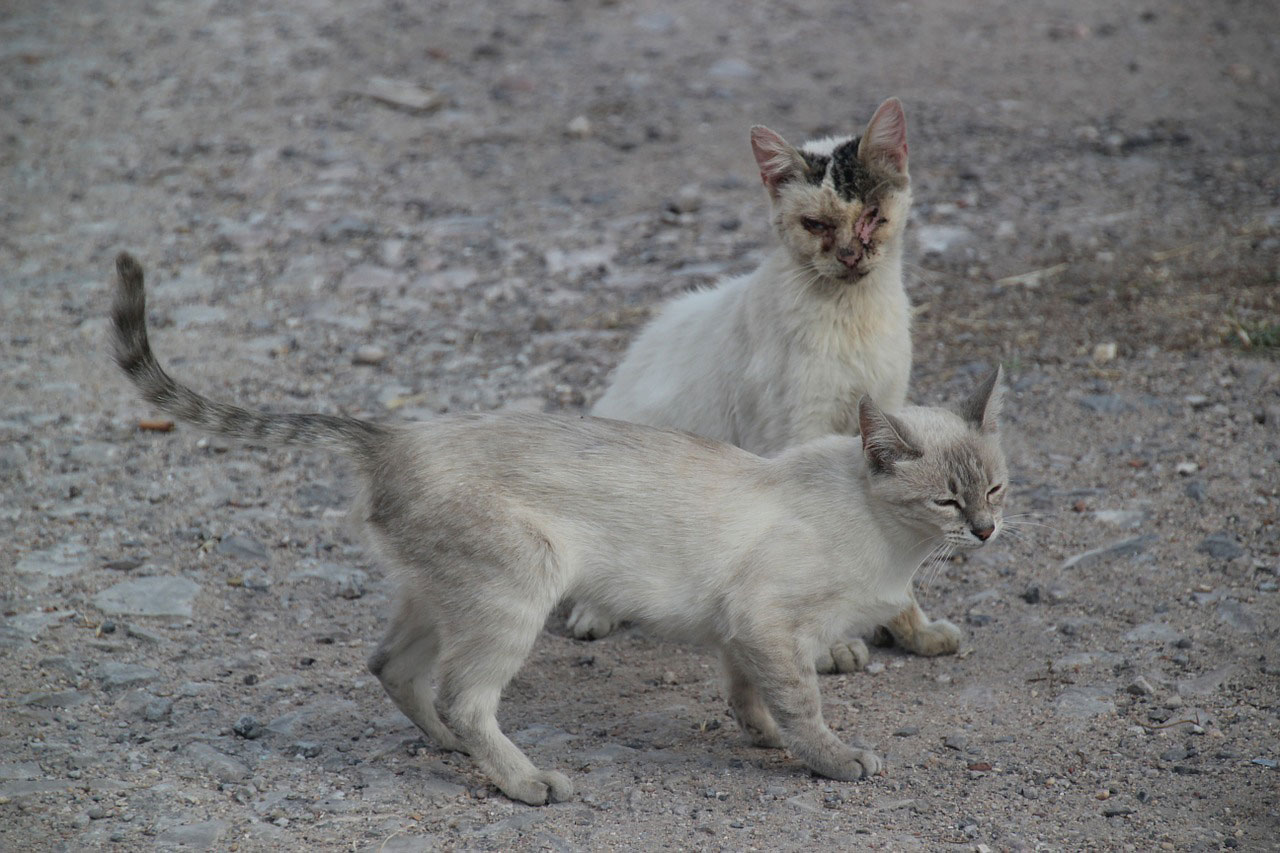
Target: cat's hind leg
x: 484, y: 647
x: 785, y: 676
x: 586, y: 623
x: 849, y: 655
x: 914, y: 631
x: 404, y: 663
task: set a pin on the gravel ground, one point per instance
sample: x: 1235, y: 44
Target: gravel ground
x: 396, y: 209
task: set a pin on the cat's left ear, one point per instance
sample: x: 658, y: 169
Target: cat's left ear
x: 982, y: 409
x: 885, y: 139
x: 778, y: 161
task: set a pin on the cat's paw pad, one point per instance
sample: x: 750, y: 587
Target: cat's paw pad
x: 586, y: 624
x: 843, y: 657
x: 871, y: 763
x: 939, y: 637
x: 851, y: 766
x: 540, y: 788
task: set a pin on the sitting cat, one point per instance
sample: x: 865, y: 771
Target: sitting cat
x: 491, y: 519
x: 775, y: 358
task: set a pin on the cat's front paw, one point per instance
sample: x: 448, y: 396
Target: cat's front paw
x: 843, y: 657
x: 586, y: 624
x: 539, y: 788
x: 857, y: 764
x: 939, y: 637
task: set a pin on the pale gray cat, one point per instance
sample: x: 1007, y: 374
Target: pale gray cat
x: 782, y: 355
x: 490, y: 520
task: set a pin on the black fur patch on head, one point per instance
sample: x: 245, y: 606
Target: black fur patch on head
x: 815, y: 167
x: 852, y: 180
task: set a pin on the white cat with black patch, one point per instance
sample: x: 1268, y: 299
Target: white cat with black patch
x: 775, y: 358
x: 491, y: 520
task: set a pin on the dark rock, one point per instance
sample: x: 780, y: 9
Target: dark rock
x: 113, y: 675
x: 907, y: 731
x: 1032, y: 595
x: 249, y: 728
x: 305, y: 748
x: 1220, y: 546
x: 1194, y: 490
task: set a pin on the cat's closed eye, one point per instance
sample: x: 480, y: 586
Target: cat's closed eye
x: 946, y: 502
x: 815, y: 226
x: 995, y: 493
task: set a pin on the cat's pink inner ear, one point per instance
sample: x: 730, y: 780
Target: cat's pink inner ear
x: 886, y: 136
x: 776, y: 159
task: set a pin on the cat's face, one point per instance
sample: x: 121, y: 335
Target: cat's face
x: 942, y: 471
x: 839, y: 205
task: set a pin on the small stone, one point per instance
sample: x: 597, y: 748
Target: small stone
x: 403, y: 95
x: 1269, y: 763
x: 689, y: 200
x: 1032, y: 595
x: 907, y: 731
x: 1118, y: 811
x: 875, y: 668
x: 305, y: 749
x: 579, y: 127
x: 114, y: 675
x: 1176, y: 754
x: 255, y: 579
x: 1140, y: 687
x: 153, y: 596
x: 369, y: 354
x: 157, y: 710
x: 957, y: 740
x: 249, y: 728
x: 107, y: 627
x: 243, y: 547
x: 1196, y: 401
x: 1194, y: 490
x: 1103, y: 353
x: 1220, y: 546
x: 1029, y: 792
x: 1123, y: 548
x: 1186, y: 469
x: 669, y: 677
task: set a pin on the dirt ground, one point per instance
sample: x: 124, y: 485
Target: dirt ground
x: 395, y: 209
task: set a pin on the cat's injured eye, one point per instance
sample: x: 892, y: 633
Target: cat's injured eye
x: 815, y: 226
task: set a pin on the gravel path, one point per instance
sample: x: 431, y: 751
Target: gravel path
x: 396, y: 209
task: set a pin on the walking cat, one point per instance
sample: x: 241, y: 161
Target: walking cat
x: 490, y: 520
x: 775, y: 358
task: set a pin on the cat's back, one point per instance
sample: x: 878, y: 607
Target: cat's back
x: 678, y: 370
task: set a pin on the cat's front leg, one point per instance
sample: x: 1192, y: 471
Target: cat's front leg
x: 788, y: 683
x: 749, y: 709
x: 914, y: 631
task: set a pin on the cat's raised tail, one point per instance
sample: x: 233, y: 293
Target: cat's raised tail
x: 346, y: 435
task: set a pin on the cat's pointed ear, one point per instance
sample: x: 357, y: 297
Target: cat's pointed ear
x: 885, y: 139
x: 778, y: 161
x: 982, y: 409
x: 884, y: 440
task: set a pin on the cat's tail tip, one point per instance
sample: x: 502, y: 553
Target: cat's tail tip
x: 128, y: 316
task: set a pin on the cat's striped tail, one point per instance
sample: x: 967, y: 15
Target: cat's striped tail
x: 346, y: 435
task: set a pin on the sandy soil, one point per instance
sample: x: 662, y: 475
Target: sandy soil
x: 396, y: 209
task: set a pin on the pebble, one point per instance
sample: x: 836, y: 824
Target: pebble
x: 875, y: 668
x: 113, y: 675
x: 1032, y: 594
x: 907, y: 731
x: 249, y: 728
x: 1123, y: 548
x: 579, y: 127
x: 1186, y: 469
x: 162, y: 595
x: 942, y: 239
x: 1103, y: 353
x: 1140, y: 687
x: 1269, y: 763
x: 957, y: 740
x: 1220, y: 546
x: 243, y: 547
x: 369, y: 354
x: 305, y: 749
x: 64, y: 559
x: 197, y: 836
x: 1194, y: 490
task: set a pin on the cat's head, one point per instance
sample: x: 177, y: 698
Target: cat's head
x: 839, y: 205
x: 942, y: 471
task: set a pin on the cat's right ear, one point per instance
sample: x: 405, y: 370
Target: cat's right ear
x: 778, y: 161
x: 884, y: 441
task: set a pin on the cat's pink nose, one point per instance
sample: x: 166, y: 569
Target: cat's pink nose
x: 849, y: 257
x: 983, y: 533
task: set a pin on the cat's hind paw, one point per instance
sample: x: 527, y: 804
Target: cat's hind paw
x: 843, y: 657
x: 586, y: 624
x: 939, y: 637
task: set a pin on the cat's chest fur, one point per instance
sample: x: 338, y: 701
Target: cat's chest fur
x: 769, y: 360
